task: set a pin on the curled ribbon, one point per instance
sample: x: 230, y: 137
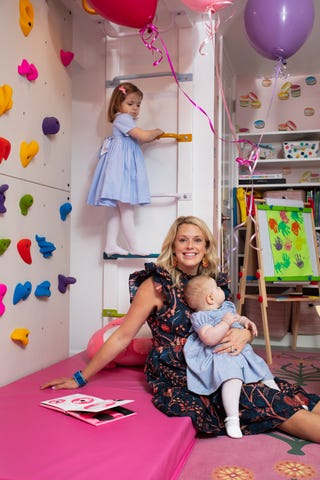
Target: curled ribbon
x: 149, y: 34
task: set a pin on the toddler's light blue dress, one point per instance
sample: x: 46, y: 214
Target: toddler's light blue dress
x: 121, y: 174
x: 207, y: 370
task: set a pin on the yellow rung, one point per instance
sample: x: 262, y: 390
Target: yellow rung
x: 180, y: 137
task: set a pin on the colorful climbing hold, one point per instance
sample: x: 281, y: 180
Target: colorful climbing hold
x: 4, y: 244
x: 3, y: 291
x: 50, y: 125
x: 43, y: 289
x: 3, y: 189
x: 63, y: 282
x: 5, y: 98
x: 25, y: 203
x: 24, y: 249
x: 5, y: 148
x: 28, y: 70
x: 26, y: 16
x: 65, y: 209
x: 21, y: 292
x: 27, y: 152
x: 20, y: 335
x: 66, y: 57
x: 46, y: 248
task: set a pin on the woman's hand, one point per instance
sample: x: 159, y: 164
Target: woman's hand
x: 234, y: 341
x: 60, y: 383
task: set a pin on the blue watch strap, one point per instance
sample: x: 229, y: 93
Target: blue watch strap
x: 78, y: 377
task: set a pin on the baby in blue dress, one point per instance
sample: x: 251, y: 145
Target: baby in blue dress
x: 120, y: 179
x: 206, y: 370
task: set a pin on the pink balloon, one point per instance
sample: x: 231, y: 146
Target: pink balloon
x: 207, y: 5
x: 278, y: 28
x: 129, y: 13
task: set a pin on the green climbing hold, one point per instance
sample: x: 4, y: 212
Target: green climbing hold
x: 25, y: 203
x: 4, y: 244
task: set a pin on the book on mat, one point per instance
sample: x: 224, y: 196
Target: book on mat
x: 93, y: 410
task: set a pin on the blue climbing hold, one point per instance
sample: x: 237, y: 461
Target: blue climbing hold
x: 65, y: 209
x: 46, y: 248
x: 21, y: 292
x: 43, y: 289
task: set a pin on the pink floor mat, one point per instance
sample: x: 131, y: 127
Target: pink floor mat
x: 41, y: 444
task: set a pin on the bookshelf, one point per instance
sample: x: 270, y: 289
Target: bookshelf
x: 301, y: 180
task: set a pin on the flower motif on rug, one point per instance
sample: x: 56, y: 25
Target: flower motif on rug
x: 295, y: 470
x: 232, y: 472
x: 299, y: 369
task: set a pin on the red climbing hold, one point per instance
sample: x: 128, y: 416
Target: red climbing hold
x: 24, y: 249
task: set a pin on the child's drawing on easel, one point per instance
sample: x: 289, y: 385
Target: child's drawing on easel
x: 120, y: 181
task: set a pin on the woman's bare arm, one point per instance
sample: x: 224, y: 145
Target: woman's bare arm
x: 146, y: 299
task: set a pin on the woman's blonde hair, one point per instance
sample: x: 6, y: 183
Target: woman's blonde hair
x: 166, y: 258
x: 118, y: 96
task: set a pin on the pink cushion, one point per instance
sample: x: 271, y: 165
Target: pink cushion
x: 136, y: 352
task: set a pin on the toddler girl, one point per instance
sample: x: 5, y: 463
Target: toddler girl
x: 120, y: 180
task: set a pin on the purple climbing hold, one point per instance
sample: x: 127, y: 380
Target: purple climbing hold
x: 50, y: 125
x: 63, y: 282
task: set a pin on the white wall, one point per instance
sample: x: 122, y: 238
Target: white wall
x: 46, y: 178
x: 171, y: 167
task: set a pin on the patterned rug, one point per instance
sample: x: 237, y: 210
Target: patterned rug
x: 272, y: 456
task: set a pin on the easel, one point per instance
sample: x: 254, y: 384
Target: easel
x: 254, y: 255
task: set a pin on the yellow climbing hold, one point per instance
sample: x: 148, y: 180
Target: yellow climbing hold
x: 20, y: 335
x: 26, y: 16
x: 27, y: 152
x: 5, y: 98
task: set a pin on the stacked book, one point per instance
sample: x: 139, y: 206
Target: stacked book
x: 261, y: 178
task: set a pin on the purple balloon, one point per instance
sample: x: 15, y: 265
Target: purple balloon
x: 278, y: 28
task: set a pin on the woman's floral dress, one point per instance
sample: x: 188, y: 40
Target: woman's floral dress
x: 261, y: 408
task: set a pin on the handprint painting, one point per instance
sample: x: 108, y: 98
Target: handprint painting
x: 289, y: 250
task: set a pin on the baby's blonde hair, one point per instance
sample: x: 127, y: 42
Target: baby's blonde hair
x: 196, y: 290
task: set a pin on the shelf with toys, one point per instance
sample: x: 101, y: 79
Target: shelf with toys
x: 288, y: 167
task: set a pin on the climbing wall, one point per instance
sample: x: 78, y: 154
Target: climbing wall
x: 35, y: 202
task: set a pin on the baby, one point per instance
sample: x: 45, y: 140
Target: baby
x: 207, y: 370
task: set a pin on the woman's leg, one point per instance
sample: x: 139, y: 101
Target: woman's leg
x: 128, y: 228
x: 113, y: 226
x: 230, y: 392
x: 304, y: 424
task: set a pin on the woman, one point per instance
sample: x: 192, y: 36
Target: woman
x: 157, y: 297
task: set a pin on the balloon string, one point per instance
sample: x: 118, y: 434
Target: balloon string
x: 149, y: 34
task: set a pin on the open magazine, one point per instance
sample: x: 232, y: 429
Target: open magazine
x: 93, y: 410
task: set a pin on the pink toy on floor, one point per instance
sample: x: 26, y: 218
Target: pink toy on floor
x: 136, y: 352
